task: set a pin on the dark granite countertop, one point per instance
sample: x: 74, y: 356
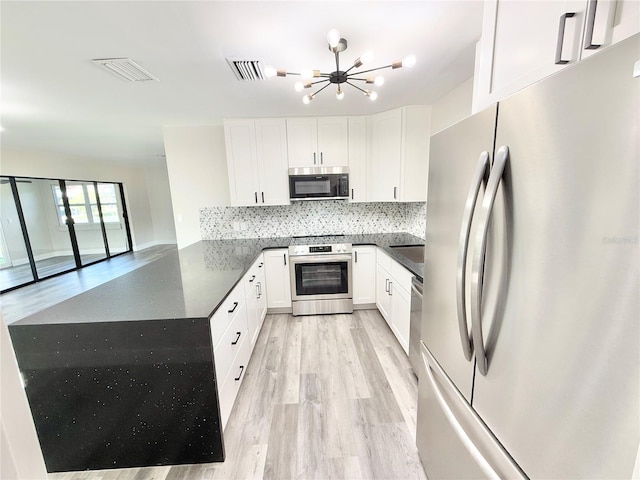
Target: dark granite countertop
x: 189, y: 283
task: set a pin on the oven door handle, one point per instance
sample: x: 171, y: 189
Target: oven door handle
x: 320, y: 258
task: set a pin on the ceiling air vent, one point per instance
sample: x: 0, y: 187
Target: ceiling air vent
x: 125, y: 68
x: 246, y: 69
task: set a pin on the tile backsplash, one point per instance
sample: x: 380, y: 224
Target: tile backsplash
x: 312, y: 218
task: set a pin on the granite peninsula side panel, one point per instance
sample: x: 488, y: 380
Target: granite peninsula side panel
x: 121, y: 394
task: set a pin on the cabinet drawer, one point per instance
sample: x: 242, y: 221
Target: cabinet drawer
x: 401, y: 275
x: 229, y: 345
x: 225, y: 314
x: 253, y: 275
x: 228, y: 390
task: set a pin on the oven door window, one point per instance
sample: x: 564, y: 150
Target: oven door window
x: 321, y: 278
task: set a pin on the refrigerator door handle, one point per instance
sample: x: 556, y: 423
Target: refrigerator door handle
x: 482, y: 170
x: 496, y: 462
x: 479, y: 250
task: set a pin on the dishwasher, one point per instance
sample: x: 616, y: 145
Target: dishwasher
x: 415, y: 323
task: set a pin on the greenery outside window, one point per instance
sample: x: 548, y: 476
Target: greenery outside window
x: 83, y: 203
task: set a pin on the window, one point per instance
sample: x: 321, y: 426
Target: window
x: 84, y: 204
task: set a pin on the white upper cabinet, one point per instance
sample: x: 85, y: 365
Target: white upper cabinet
x: 399, y: 155
x: 384, y: 162
x: 317, y: 142
x: 608, y: 22
x: 524, y: 41
x: 257, y: 161
x: 358, y: 159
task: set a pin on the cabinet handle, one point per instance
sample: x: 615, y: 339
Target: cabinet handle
x: 563, y: 23
x: 261, y: 263
x: 395, y: 193
x: 386, y: 285
x: 355, y: 254
x: 352, y: 194
x: 258, y: 290
x: 253, y: 277
x: 591, y: 22
x: 321, y: 158
x: 235, y: 305
x: 240, y: 376
x: 256, y: 194
x: 262, y: 197
x: 314, y: 158
x: 390, y: 285
x: 284, y: 255
x: 235, y: 342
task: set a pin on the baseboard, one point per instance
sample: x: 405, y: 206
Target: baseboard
x: 364, y: 306
x: 279, y: 310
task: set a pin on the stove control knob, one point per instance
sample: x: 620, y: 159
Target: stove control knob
x: 340, y: 248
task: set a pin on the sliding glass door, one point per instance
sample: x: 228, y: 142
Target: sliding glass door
x: 52, y: 226
x: 15, y: 267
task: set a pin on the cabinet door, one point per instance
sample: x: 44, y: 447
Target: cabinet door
x: 401, y: 313
x: 333, y: 143
x: 358, y: 159
x: 253, y: 313
x: 608, y: 22
x: 271, y: 152
x: 364, y: 275
x: 302, y: 142
x: 416, y: 125
x: 386, y: 149
x: 276, y: 264
x: 242, y: 168
x: 519, y: 45
x: 383, y: 300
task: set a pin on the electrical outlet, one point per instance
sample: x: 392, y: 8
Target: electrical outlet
x: 236, y: 226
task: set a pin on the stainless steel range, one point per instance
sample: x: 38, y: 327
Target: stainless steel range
x: 321, y: 277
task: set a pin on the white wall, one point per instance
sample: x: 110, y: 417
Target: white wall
x: 160, y: 203
x: 141, y: 214
x: 197, y: 166
x: 453, y: 107
x: 20, y: 454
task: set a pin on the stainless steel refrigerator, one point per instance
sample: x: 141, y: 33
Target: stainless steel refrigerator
x: 530, y: 352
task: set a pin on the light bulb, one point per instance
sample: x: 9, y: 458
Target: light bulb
x: 379, y: 81
x: 307, y: 99
x: 269, y: 71
x: 306, y: 74
x: 339, y: 93
x: 333, y: 37
x: 409, y: 61
x: 373, y: 96
x: 366, y: 57
x: 299, y: 86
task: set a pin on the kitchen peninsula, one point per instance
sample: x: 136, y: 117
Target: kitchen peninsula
x: 124, y: 374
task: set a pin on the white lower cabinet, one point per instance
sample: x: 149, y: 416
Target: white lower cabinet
x: 256, y: 299
x: 235, y: 327
x: 277, y: 278
x: 393, y: 296
x: 229, y: 391
x: 364, y: 275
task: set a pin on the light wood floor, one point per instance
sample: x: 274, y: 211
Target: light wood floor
x: 324, y: 397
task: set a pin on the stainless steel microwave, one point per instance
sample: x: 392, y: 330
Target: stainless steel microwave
x: 319, y: 183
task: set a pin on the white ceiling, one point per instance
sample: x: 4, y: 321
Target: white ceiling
x: 55, y: 99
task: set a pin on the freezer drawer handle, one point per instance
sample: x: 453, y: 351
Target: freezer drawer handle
x: 479, y: 250
x: 503, y: 465
x: 560, y: 44
x: 591, y: 22
x: 479, y: 177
